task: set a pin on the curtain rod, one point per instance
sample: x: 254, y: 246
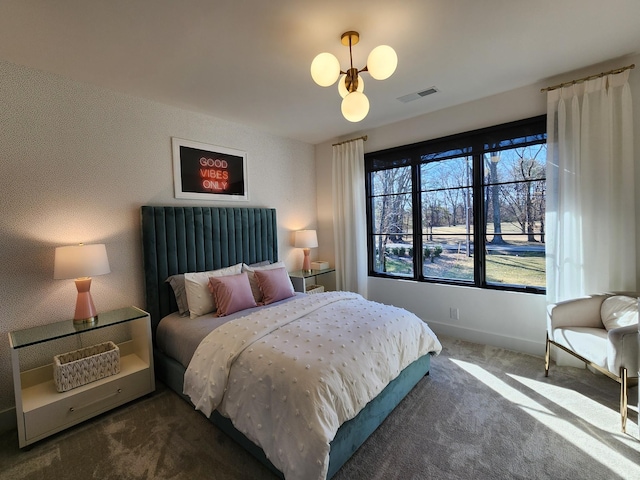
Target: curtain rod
x: 364, y: 139
x: 590, y: 77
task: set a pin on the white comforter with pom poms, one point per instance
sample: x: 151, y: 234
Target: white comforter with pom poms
x: 289, y: 375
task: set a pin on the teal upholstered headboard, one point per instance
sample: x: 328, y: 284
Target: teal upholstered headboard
x: 197, y: 239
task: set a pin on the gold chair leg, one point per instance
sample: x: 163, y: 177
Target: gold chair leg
x: 623, y: 398
x: 547, y: 357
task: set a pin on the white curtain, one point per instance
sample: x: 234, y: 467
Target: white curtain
x: 349, y: 217
x: 590, y: 220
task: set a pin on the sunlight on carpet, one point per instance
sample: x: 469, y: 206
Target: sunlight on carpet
x: 600, y: 417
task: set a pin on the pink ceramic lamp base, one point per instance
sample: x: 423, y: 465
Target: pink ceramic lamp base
x: 306, y: 263
x: 85, y: 309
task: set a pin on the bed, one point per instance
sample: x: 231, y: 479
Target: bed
x: 179, y: 240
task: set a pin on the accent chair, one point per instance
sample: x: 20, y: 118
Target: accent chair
x: 602, y: 331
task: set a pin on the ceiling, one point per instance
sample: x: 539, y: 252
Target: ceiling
x: 247, y: 61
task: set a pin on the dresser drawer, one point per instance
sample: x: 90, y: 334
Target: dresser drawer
x: 76, y: 406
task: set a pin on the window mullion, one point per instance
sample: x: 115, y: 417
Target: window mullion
x: 416, y: 202
x: 369, y: 210
x: 479, y: 222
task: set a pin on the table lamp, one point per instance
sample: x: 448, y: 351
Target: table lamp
x: 306, y: 239
x: 82, y: 262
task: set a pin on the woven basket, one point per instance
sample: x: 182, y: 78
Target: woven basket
x: 73, y: 369
x: 315, y: 288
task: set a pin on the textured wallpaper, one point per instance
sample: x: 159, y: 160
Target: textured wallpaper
x: 78, y: 161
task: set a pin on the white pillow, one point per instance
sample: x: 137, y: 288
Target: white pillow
x: 255, y: 288
x: 619, y: 311
x: 199, y: 296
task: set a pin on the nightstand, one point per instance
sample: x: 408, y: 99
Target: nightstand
x: 40, y: 409
x: 299, y: 278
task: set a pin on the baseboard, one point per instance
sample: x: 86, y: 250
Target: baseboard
x: 487, y: 338
x: 8, y: 420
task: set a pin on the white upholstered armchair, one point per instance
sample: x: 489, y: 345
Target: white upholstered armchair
x: 602, y: 331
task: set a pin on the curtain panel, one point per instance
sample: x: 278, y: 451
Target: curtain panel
x: 590, y: 219
x: 350, y: 217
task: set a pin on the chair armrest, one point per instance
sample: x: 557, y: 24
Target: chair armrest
x: 622, y: 349
x: 577, y: 312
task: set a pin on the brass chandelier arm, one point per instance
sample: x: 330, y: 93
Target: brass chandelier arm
x: 363, y: 69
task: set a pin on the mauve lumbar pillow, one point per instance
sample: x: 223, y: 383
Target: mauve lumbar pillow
x: 251, y: 269
x: 274, y: 284
x: 232, y: 293
x: 199, y: 297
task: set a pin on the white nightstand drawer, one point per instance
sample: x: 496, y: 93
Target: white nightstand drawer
x: 72, y: 409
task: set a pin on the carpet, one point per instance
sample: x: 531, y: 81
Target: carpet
x: 482, y: 413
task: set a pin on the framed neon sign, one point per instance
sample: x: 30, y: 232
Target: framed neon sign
x: 208, y: 172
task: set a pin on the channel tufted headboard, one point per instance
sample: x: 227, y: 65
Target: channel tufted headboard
x: 197, y: 239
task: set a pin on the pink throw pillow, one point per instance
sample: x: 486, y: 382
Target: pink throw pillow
x: 232, y: 293
x: 275, y: 285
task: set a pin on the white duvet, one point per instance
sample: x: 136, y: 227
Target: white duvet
x: 288, y: 376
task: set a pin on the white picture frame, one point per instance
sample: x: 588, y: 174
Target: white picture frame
x: 209, y: 172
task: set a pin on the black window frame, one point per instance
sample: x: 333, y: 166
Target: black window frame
x: 476, y: 144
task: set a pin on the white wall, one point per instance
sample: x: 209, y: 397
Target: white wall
x: 511, y: 320
x: 77, y: 163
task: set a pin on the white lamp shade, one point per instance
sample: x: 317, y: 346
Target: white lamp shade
x: 305, y: 239
x: 325, y: 69
x: 382, y: 62
x: 78, y: 261
x: 342, y: 89
x: 355, y: 106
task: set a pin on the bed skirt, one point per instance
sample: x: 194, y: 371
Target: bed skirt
x: 350, y: 436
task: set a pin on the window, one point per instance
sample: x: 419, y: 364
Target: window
x: 466, y: 209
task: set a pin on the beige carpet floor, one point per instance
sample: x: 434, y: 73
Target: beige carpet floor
x: 482, y: 413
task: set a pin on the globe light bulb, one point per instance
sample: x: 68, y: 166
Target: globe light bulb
x: 325, y: 69
x: 382, y: 62
x: 342, y: 89
x: 355, y: 106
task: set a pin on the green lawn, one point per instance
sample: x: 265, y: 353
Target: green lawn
x: 503, y: 269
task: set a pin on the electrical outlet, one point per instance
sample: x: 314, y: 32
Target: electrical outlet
x: 454, y: 313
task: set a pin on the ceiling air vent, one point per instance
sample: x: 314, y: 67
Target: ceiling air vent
x: 415, y: 96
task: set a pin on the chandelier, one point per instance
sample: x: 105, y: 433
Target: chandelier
x: 325, y: 70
